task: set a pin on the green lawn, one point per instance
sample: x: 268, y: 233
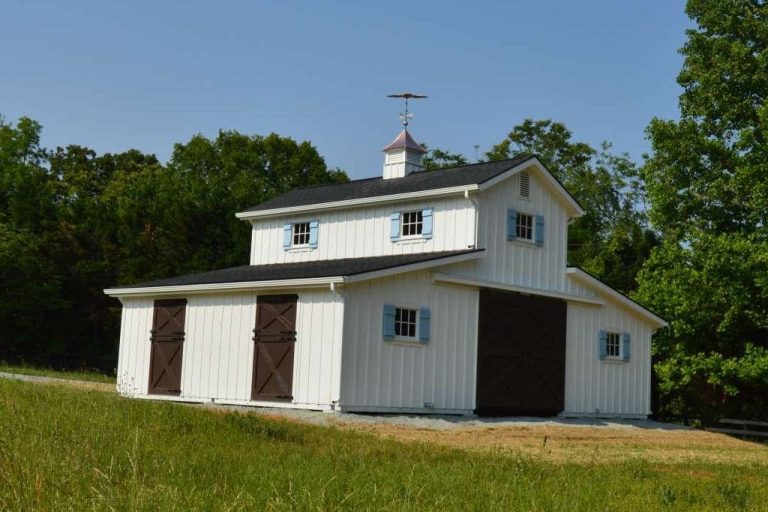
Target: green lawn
x: 46, y: 372
x: 70, y: 449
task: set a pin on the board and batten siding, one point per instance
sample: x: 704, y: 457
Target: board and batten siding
x: 217, y: 360
x: 391, y: 376
x: 601, y: 387
x: 517, y: 262
x: 363, y: 232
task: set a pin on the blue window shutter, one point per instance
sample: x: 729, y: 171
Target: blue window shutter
x: 389, y: 322
x: 539, y: 230
x: 394, y: 227
x: 511, y: 224
x: 426, y: 223
x: 424, y: 317
x: 625, y: 349
x: 602, y: 345
x: 313, y: 229
x: 287, y: 236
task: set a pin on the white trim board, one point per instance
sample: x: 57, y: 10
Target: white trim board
x: 363, y: 201
x: 612, y: 294
x: 465, y: 281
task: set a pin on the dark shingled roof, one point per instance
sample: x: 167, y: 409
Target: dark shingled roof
x: 374, y: 187
x: 301, y: 270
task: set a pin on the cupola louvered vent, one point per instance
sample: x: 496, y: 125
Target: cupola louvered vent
x: 525, y: 184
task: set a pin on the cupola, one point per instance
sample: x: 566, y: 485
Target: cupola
x: 403, y: 156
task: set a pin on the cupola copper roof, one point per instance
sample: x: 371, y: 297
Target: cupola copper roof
x: 405, y: 141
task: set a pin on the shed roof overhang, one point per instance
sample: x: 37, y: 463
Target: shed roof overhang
x: 608, y: 292
x: 378, y: 267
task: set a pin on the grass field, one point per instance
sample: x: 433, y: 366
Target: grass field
x: 45, y: 372
x: 71, y: 449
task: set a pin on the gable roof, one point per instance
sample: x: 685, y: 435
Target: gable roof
x: 374, y: 187
x: 596, y: 284
x: 298, y: 274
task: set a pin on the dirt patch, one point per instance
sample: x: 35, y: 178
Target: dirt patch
x: 583, y: 444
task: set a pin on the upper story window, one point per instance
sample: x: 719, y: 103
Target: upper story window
x: 525, y: 227
x: 300, y: 234
x: 525, y: 184
x: 412, y: 224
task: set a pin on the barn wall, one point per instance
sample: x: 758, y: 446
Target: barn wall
x: 378, y: 375
x: 600, y: 387
x: 361, y: 232
x: 217, y: 360
x: 517, y: 262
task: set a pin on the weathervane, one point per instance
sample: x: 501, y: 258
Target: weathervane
x: 405, y: 116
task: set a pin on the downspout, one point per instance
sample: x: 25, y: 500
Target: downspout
x: 338, y: 361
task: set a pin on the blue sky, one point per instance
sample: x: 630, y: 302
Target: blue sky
x: 144, y: 75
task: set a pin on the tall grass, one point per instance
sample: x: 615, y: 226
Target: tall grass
x: 67, y: 449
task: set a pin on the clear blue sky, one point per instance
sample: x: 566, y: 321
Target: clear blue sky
x: 147, y: 74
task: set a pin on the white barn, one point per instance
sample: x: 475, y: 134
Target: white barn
x: 418, y: 292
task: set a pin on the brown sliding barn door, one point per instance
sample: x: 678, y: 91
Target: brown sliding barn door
x: 274, y: 338
x: 521, y: 354
x: 167, y: 338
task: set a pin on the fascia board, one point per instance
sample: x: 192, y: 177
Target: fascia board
x: 223, y: 287
x: 363, y: 201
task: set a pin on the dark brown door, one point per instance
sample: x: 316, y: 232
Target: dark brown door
x: 521, y: 354
x: 274, y: 338
x: 167, y: 338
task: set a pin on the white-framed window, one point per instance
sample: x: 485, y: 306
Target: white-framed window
x: 300, y: 234
x: 524, y: 226
x: 412, y: 223
x: 613, y: 345
x: 525, y: 184
x: 406, y: 322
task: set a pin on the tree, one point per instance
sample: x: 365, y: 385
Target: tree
x: 707, y: 182
x: 612, y: 239
x: 437, y: 158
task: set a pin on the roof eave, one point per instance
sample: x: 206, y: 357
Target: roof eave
x: 413, y: 267
x: 363, y: 201
x: 189, y: 289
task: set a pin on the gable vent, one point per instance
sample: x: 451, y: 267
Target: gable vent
x: 525, y: 184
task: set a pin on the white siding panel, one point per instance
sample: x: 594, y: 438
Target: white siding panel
x: 377, y: 375
x: 362, y: 232
x: 133, y: 355
x: 600, y: 387
x: 218, y: 349
x: 522, y: 263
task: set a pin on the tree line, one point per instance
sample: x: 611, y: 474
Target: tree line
x: 684, y: 232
